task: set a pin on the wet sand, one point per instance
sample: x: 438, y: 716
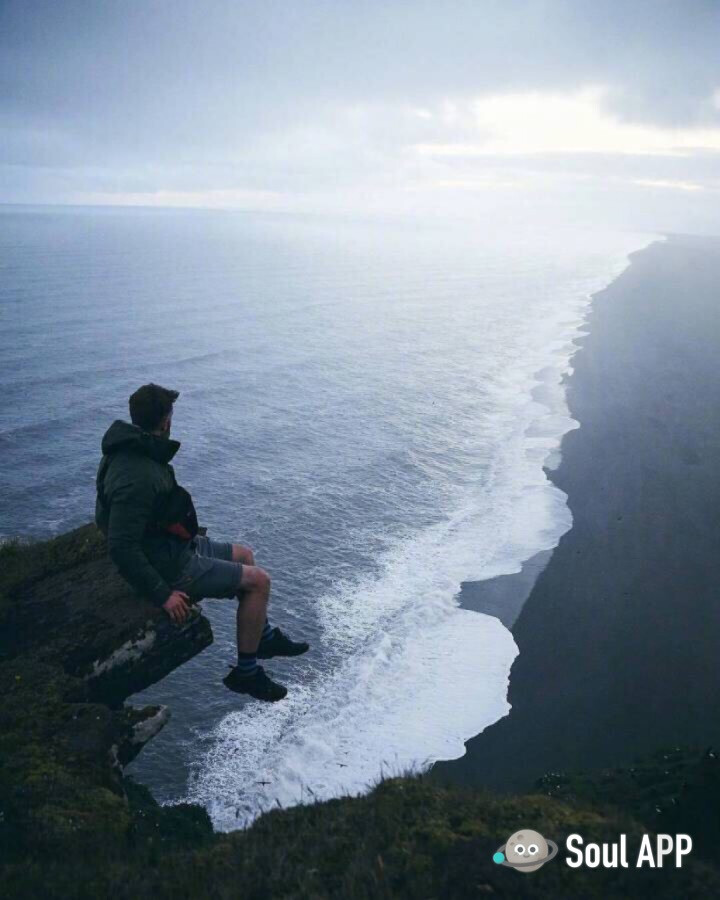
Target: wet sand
x: 619, y: 637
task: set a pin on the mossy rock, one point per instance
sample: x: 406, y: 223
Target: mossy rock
x: 74, y: 643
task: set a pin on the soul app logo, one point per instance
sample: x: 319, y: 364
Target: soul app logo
x: 526, y: 851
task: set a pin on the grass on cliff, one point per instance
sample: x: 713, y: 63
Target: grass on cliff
x: 24, y: 561
x: 408, y: 838
x: 72, y: 827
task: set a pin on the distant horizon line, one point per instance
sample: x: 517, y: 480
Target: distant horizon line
x: 142, y: 206
x: 290, y: 213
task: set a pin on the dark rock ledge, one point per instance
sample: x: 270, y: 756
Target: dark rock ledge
x: 74, y: 643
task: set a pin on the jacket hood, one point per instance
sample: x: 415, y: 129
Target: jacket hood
x: 124, y: 436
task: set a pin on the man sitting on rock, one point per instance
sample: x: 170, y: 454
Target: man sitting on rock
x: 154, y: 540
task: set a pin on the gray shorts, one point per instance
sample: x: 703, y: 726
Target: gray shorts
x: 210, y: 572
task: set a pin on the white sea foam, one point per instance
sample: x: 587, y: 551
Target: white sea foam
x: 409, y: 700
x: 407, y: 675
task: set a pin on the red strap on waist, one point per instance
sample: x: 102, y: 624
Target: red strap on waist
x: 179, y: 531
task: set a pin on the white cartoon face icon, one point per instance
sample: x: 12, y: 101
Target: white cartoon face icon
x: 526, y: 851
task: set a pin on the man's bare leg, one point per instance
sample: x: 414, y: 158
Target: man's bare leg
x: 244, y: 554
x: 253, y: 600
x: 253, y: 597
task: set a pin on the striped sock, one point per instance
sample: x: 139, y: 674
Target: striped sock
x: 247, y: 664
x: 267, y: 632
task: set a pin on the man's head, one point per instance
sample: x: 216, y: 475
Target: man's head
x: 151, y: 408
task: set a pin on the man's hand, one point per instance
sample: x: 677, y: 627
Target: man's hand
x: 176, y: 606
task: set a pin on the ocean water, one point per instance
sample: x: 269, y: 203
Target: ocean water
x: 368, y: 404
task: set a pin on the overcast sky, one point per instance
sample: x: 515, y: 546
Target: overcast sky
x: 309, y: 105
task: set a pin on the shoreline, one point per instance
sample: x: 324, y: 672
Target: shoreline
x: 504, y: 595
x: 616, y: 626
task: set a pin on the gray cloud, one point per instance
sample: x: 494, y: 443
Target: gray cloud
x: 131, y: 96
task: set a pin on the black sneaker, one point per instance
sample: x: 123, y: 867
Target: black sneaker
x: 258, y: 685
x: 281, y: 645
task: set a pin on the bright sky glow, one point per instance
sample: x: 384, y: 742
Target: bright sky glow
x: 537, y: 122
x: 581, y: 109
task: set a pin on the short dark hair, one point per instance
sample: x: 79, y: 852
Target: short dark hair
x: 150, y: 404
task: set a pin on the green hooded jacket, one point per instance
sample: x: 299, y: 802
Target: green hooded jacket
x: 138, y: 507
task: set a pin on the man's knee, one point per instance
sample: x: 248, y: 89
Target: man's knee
x: 243, y: 554
x: 255, y: 579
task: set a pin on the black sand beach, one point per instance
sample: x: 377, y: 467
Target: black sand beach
x: 619, y: 638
